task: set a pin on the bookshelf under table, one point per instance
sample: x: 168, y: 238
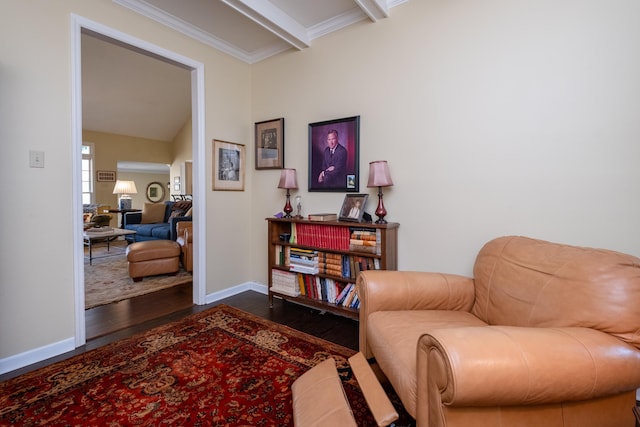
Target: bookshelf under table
x: 358, y: 246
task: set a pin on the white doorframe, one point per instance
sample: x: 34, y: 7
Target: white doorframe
x: 79, y: 23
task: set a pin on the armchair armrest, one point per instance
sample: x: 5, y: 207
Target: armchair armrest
x: 383, y: 290
x: 507, y: 365
x: 173, y: 225
x: 184, y: 230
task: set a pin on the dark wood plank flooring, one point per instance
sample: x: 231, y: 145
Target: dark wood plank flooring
x: 124, y: 319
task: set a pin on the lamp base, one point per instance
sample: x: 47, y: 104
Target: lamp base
x: 381, y: 212
x: 287, y: 207
x: 124, y: 203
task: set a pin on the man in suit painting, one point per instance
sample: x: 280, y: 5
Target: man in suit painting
x: 334, y: 162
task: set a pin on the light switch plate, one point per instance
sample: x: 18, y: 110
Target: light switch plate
x: 36, y: 159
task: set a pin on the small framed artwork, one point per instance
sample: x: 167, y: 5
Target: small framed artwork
x: 228, y: 165
x: 334, y: 155
x: 353, y: 207
x: 108, y: 176
x: 155, y: 192
x: 269, y: 141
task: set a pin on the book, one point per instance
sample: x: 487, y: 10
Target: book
x: 323, y: 217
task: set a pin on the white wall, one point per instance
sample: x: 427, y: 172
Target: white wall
x: 37, y: 265
x: 496, y: 118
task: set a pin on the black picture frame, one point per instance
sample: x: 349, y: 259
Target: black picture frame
x: 353, y: 202
x: 346, y: 179
x: 269, y: 142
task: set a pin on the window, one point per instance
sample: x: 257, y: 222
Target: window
x: 87, y: 173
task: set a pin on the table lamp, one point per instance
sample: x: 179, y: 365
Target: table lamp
x: 124, y: 189
x: 379, y: 176
x: 289, y: 181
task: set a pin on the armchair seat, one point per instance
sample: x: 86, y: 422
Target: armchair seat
x: 543, y: 334
x: 393, y: 338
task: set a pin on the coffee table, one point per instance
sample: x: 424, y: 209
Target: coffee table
x: 90, y: 237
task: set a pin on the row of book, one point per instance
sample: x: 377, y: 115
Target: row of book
x: 332, y: 264
x: 320, y: 236
x: 335, y: 237
x: 315, y: 287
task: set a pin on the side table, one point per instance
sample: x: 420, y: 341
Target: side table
x: 122, y: 212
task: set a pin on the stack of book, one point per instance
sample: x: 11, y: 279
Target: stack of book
x: 323, y: 217
x: 303, y: 261
x: 284, y: 283
x: 365, y: 240
x: 331, y: 264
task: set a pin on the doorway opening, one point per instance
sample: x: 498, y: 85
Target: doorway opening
x: 81, y: 26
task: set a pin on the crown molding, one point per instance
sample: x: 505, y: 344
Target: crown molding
x: 275, y: 20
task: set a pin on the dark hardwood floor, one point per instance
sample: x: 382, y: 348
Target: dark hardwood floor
x: 112, y: 322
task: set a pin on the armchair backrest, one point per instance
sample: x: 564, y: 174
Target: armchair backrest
x: 526, y: 282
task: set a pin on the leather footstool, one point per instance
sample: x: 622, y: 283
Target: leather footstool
x: 153, y: 257
x: 320, y: 401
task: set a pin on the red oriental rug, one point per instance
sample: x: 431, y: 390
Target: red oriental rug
x: 219, y: 367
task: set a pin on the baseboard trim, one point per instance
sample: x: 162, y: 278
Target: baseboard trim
x: 36, y: 355
x: 229, y: 292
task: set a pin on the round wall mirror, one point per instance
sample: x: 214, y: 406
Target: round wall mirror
x: 155, y: 192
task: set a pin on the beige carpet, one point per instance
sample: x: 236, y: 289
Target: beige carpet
x: 107, y: 280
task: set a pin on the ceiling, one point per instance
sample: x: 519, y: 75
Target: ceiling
x: 252, y: 30
x: 128, y: 92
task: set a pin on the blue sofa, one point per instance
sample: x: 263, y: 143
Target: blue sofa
x: 165, y: 230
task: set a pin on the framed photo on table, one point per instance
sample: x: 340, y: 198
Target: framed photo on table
x: 269, y: 141
x: 334, y: 155
x: 228, y: 165
x: 353, y: 207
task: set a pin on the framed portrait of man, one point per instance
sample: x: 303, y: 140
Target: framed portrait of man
x: 334, y: 155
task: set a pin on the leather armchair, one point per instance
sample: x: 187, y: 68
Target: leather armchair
x: 185, y: 240
x: 543, y: 334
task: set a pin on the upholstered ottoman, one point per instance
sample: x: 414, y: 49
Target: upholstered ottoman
x: 153, y: 257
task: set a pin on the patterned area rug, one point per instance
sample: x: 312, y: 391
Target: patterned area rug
x: 107, y: 279
x: 219, y: 367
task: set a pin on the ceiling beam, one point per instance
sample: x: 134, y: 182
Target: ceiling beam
x: 375, y: 9
x: 273, y: 19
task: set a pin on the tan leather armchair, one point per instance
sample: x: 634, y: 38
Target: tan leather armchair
x: 544, y: 335
x: 184, y: 231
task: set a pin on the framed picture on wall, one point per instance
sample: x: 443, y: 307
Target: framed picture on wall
x: 269, y: 141
x: 334, y: 155
x: 108, y: 176
x: 228, y: 165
